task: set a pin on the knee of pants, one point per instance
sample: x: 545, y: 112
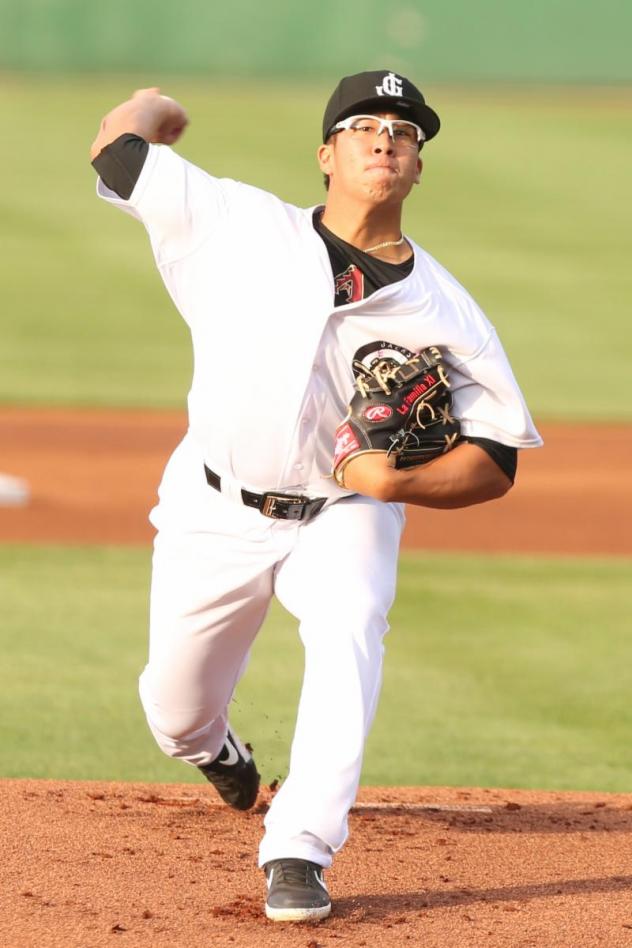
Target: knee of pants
x: 170, y: 722
x: 346, y: 658
x: 176, y: 728
x: 197, y: 748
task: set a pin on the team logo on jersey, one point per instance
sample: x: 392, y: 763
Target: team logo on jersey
x: 350, y: 283
x: 377, y: 412
x: 391, y: 85
x: 380, y: 351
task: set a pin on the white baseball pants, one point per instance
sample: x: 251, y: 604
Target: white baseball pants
x: 216, y: 566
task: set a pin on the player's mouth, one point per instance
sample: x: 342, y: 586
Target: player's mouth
x: 381, y: 166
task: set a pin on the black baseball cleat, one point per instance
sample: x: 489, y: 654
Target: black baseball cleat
x: 234, y: 774
x: 296, y: 891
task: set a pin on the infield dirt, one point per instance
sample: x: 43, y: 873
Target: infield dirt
x: 96, y: 864
x: 93, y: 476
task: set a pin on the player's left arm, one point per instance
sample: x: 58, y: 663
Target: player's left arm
x: 465, y: 476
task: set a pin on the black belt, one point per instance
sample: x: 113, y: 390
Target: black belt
x: 273, y: 504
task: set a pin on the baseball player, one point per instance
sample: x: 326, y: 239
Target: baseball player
x: 289, y: 309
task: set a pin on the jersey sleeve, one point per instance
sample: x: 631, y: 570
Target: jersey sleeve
x: 505, y: 457
x: 488, y: 400
x: 486, y: 396
x: 179, y: 204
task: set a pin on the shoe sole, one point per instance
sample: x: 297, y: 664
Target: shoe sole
x: 297, y: 914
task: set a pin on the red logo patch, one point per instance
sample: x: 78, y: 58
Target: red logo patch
x: 377, y: 412
x: 346, y: 442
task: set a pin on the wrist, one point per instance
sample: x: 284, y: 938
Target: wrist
x: 369, y: 473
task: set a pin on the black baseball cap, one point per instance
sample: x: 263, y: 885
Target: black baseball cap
x: 391, y: 92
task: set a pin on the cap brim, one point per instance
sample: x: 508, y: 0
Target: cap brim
x: 417, y: 112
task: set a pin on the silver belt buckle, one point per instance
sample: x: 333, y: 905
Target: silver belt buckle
x: 292, y: 507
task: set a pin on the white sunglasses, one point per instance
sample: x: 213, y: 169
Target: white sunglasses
x: 399, y: 130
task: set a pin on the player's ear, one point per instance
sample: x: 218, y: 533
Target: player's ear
x: 420, y: 166
x: 325, y: 155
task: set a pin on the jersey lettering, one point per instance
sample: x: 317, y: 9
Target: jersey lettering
x: 428, y: 381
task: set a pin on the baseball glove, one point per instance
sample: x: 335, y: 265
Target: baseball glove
x: 403, y: 411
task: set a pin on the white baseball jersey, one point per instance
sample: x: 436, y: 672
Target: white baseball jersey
x: 272, y: 355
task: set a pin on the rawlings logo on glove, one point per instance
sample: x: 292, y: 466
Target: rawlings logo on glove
x: 401, y: 410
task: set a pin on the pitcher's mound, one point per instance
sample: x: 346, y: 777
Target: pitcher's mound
x: 86, y: 865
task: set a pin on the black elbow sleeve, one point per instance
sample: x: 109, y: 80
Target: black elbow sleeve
x: 120, y: 163
x: 505, y: 457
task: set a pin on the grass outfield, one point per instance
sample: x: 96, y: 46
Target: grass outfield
x: 499, y: 672
x: 525, y: 197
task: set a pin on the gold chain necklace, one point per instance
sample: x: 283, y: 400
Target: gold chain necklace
x: 387, y: 243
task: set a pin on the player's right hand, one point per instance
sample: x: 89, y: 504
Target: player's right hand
x: 170, y: 117
x: 156, y: 118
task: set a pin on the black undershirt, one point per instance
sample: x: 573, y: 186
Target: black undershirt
x: 357, y: 275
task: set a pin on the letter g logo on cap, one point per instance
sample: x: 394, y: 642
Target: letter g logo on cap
x: 391, y: 85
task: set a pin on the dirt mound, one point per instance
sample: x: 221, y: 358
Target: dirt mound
x: 87, y: 864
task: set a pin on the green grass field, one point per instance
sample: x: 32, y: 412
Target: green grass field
x: 499, y: 672
x: 525, y: 197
